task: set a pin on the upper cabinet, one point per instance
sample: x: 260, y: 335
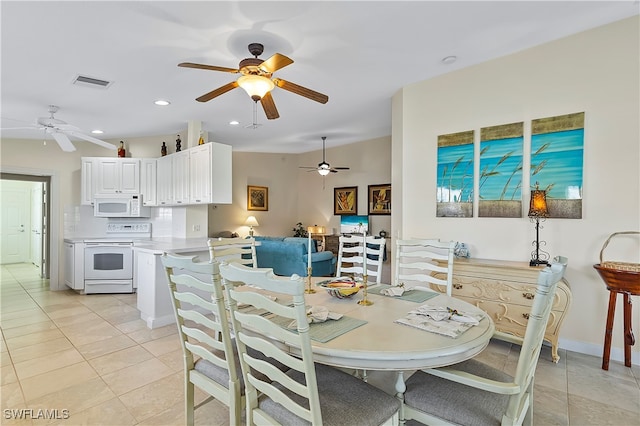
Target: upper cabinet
x: 148, y: 181
x: 117, y: 176
x: 210, y: 174
x: 198, y: 175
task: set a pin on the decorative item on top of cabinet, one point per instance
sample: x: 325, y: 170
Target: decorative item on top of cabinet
x: 201, y: 139
x: 178, y: 144
x: 163, y: 149
x: 121, y: 150
x: 505, y: 290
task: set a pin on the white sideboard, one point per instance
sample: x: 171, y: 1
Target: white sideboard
x: 505, y: 290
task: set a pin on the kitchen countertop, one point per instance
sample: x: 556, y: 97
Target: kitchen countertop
x: 174, y: 245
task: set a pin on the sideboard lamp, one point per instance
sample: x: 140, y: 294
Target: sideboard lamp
x: 251, y: 222
x: 538, y: 212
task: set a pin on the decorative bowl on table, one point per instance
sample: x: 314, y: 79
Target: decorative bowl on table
x: 340, y: 287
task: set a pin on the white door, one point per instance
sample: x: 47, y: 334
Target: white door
x: 14, y: 222
x: 36, y: 223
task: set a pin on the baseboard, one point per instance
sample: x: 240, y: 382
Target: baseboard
x: 617, y: 354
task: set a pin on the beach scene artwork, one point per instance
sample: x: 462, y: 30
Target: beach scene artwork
x: 500, y: 180
x: 454, y: 192
x: 557, y: 162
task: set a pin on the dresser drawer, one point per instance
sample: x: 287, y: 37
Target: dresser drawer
x: 513, y: 318
x: 510, y: 292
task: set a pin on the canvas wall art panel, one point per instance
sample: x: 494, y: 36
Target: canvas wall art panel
x: 500, y: 180
x: 557, y: 155
x: 454, y: 192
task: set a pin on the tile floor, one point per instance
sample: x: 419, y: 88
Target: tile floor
x: 93, y: 356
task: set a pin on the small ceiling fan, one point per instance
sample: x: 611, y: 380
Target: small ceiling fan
x: 256, y: 80
x: 324, y: 168
x: 61, y: 131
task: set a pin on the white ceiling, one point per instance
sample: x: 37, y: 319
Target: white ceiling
x: 358, y: 53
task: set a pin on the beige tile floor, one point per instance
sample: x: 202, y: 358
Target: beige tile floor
x: 93, y: 356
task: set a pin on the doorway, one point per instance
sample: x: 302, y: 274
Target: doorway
x: 25, y: 220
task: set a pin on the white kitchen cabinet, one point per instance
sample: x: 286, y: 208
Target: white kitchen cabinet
x: 87, y: 183
x: 210, y: 174
x: 180, y: 177
x: 164, y: 187
x: 117, y: 176
x: 74, y: 265
x: 154, y: 298
x: 148, y: 184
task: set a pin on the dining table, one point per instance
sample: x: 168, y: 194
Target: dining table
x: 373, y: 339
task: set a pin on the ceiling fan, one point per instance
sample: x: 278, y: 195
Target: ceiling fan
x: 256, y: 80
x: 61, y: 131
x: 324, y: 168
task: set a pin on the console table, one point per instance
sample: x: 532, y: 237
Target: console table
x: 505, y: 290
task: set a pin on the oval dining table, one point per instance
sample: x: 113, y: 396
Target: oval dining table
x: 381, y: 344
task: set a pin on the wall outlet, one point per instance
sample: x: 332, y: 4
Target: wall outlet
x: 196, y: 228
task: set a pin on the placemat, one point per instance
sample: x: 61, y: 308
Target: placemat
x: 325, y: 331
x: 417, y: 296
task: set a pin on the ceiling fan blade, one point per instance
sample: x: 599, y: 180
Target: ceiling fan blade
x: 92, y: 140
x: 269, y: 106
x: 342, y: 168
x: 207, y: 67
x: 312, y: 168
x: 217, y: 92
x: 63, y: 141
x: 20, y: 128
x: 333, y: 171
x: 300, y: 90
x: 275, y: 62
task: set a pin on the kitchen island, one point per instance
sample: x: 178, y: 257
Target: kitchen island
x: 154, y: 299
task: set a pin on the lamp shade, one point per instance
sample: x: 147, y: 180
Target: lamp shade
x: 256, y: 86
x: 251, y: 221
x: 318, y: 230
x: 538, y: 204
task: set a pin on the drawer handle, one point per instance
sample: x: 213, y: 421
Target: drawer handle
x: 457, y: 286
x: 526, y: 316
x: 528, y: 295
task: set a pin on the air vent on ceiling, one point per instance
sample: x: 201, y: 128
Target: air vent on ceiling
x: 84, y: 80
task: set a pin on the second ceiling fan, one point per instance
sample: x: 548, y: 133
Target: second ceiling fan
x: 256, y: 80
x: 324, y: 168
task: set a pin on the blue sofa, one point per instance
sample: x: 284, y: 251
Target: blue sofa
x: 288, y: 256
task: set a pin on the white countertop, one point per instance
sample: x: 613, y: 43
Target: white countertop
x: 174, y: 245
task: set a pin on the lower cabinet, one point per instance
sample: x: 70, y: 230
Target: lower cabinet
x: 505, y: 290
x: 74, y: 265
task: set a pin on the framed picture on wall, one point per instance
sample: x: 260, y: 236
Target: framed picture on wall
x: 345, y: 200
x: 379, y: 199
x: 257, y: 198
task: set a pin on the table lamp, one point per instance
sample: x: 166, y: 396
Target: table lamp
x: 251, y: 222
x: 538, y: 212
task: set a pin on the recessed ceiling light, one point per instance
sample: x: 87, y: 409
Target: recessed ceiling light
x: 449, y: 59
x: 97, y: 132
x: 234, y: 122
x: 162, y: 102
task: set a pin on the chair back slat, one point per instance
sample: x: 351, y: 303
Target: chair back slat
x: 416, y: 262
x: 351, y: 256
x: 241, y: 250
x: 258, y: 331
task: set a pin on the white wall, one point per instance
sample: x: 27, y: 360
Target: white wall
x: 596, y: 72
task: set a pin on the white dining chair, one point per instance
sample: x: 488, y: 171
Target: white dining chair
x: 472, y: 392
x: 350, y: 257
x: 416, y: 263
x: 308, y: 393
x: 210, y: 362
x: 241, y: 250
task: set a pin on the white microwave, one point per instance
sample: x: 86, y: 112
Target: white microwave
x: 120, y: 205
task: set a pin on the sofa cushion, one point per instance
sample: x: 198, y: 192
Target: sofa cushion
x: 305, y: 241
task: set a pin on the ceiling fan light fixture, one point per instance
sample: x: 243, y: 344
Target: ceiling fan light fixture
x: 256, y: 86
x: 324, y: 169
